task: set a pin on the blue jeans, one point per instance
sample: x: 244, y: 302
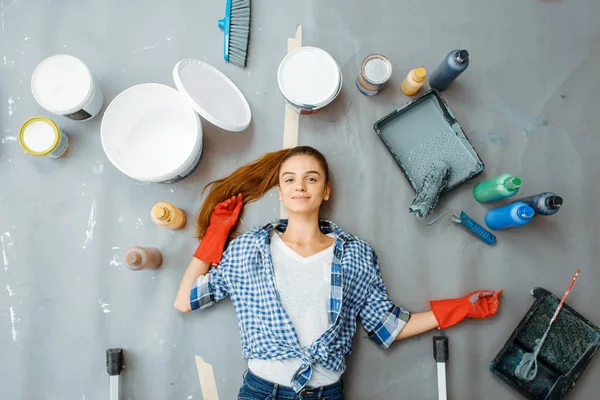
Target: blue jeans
x: 255, y: 388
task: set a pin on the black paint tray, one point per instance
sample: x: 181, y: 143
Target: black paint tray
x: 423, y: 131
x: 569, y: 347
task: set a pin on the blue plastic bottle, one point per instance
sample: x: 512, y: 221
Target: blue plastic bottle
x: 453, y: 65
x: 510, y: 216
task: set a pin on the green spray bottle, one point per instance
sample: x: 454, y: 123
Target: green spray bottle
x: 497, y: 188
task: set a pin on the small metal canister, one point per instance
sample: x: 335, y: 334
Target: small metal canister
x: 375, y: 71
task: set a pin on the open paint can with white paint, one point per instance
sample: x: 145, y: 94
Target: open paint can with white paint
x: 40, y: 136
x: 375, y: 71
x: 64, y: 85
x: 152, y: 132
x: 309, y: 79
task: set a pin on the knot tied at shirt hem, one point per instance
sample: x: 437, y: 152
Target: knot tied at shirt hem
x: 309, y: 358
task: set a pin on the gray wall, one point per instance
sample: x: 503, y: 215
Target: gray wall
x: 532, y: 61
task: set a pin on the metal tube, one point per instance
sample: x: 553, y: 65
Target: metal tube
x: 441, y: 374
x: 114, y: 387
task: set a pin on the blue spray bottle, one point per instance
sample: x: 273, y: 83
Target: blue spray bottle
x: 453, y: 65
x: 510, y: 216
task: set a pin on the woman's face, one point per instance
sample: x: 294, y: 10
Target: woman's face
x: 302, y: 184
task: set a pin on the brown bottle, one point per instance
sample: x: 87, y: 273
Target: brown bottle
x: 167, y: 215
x: 138, y: 258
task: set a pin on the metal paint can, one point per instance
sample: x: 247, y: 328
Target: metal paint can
x: 64, y: 85
x: 309, y: 79
x: 40, y: 136
x: 375, y: 71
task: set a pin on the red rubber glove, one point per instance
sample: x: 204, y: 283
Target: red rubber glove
x: 480, y: 304
x: 222, y: 220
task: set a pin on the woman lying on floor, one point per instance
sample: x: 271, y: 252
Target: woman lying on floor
x: 298, y: 285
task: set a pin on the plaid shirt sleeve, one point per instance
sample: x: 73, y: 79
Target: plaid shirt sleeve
x: 381, y: 318
x: 210, y: 288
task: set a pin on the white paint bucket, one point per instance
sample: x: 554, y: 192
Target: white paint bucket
x: 40, y: 136
x: 63, y: 85
x: 152, y: 132
x: 309, y: 79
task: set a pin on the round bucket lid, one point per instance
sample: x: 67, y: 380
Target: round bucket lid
x: 309, y: 76
x: 61, y: 83
x: 149, y: 132
x: 213, y: 95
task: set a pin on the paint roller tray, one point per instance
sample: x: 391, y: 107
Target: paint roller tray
x: 569, y: 347
x: 424, y: 131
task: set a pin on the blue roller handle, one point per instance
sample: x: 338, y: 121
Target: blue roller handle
x: 476, y: 229
x: 225, y: 24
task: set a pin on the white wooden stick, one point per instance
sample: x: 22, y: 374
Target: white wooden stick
x: 206, y: 375
x: 290, y: 123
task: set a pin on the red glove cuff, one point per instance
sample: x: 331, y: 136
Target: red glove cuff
x: 448, y: 312
x: 212, y: 246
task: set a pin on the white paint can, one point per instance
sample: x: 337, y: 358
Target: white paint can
x: 64, y: 85
x: 40, y: 136
x: 309, y: 79
x: 153, y: 133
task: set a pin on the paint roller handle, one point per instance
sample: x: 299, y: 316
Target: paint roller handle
x: 114, y: 361
x: 440, y: 349
x: 476, y: 229
x: 440, y: 355
x: 114, y: 366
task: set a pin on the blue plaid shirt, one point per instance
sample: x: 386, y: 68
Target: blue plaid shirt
x: 245, y: 273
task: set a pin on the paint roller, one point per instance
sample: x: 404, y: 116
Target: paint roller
x: 427, y: 196
x: 429, y: 192
x: 114, y: 366
x: 440, y: 355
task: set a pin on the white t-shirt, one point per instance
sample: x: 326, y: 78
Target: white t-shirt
x: 303, y: 284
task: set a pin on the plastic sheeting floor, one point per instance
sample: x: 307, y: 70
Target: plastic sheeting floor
x: 528, y: 102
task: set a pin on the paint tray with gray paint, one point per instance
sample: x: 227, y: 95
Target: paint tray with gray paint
x: 569, y: 347
x: 425, y: 131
